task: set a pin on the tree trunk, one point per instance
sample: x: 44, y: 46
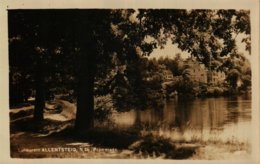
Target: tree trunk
x: 40, y: 92
x: 85, y: 94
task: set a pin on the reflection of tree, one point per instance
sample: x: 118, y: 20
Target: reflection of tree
x: 214, y: 114
x: 232, y: 108
x: 245, y: 107
x: 170, y: 112
x: 158, y: 117
x: 246, y: 96
x: 151, y: 118
x: 137, y: 119
x: 239, y: 108
x: 211, y: 112
x: 217, y: 113
x: 200, y: 114
x: 182, y: 115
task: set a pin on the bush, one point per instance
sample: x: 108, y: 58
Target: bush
x: 154, y: 146
x: 215, y: 91
x: 103, y: 107
x: 202, y: 91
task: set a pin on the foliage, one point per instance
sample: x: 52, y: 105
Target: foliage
x: 156, y: 146
x: 186, y: 87
x: 141, y: 87
x: 103, y: 108
x: 73, y: 49
x: 215, y: 91
x: 239, y: 75
x: 174, y: 65
x: 199, y: 31
x: 20, y: 86
x: 232, y: 77
x: 153, y: 147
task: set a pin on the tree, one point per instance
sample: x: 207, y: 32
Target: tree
x: 96, y: 35
x: 207, y: 35
x: 31, y: 54
x: 233, y: 77
x: 239, y: 72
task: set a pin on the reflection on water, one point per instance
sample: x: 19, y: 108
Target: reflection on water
x: 224, y: 119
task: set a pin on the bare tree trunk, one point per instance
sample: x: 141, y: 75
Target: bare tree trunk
x: 40, y: 92
x: 85, y: 94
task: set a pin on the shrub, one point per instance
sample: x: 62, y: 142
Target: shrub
x: 215, y: 91
x: 154, y: 146
x: 103, y: 107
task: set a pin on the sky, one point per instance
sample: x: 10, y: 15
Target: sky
x: 170, y: 50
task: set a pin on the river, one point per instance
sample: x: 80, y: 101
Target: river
x: 226, y: 119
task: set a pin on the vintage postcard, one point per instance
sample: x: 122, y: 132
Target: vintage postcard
x: 127, y: 81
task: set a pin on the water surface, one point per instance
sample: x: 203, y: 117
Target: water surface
x: 225, y: 119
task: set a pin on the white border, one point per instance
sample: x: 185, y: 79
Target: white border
x: 252, y: 5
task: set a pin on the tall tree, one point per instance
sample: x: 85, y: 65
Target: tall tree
x: 95, y: 35
x: 32, y: 38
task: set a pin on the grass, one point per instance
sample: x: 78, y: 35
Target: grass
x: 130, y: 141
x: 153, y: 147
x: 127, y: 143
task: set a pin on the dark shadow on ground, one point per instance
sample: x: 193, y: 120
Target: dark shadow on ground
x: 102, y: 138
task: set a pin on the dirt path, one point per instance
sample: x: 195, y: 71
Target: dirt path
x: 68, y: 112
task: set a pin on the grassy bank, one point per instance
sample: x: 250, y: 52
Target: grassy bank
x: 48, y: 142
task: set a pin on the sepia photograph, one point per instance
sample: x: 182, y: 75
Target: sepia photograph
x: 130, y: 83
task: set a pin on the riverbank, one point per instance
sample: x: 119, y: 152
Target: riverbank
x: 55, y: 138
x: 32, y: 145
